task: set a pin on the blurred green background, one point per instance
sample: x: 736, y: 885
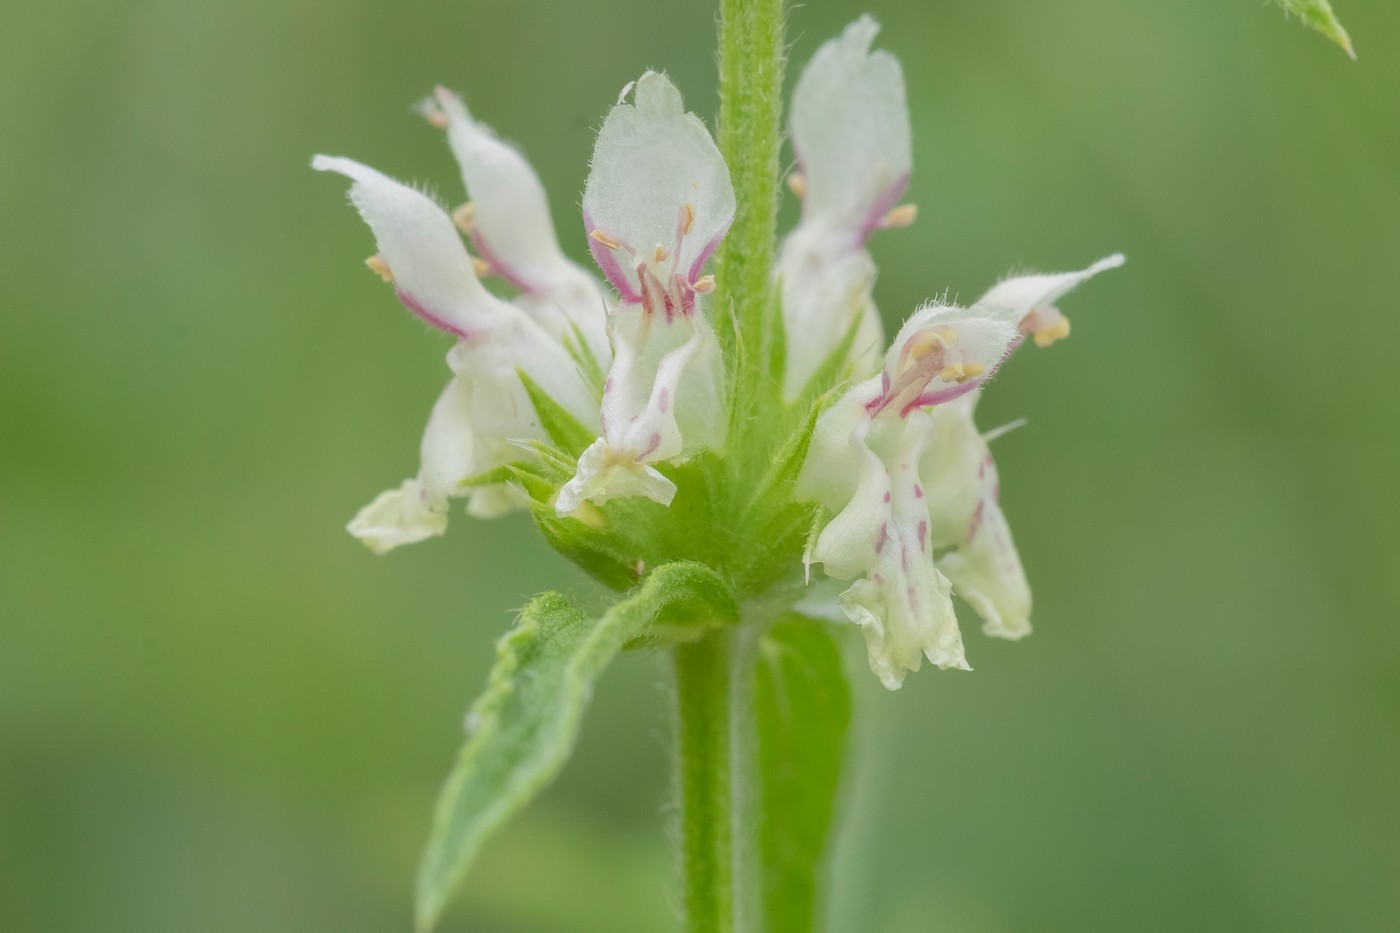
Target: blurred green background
x: 220, y: 713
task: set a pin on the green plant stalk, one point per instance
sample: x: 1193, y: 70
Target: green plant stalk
x: 711, y: 711
x: 751, y: 58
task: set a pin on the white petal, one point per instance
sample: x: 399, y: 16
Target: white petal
x: 961, y: 489
x: 834, y: 462
x: 1014, y: 298
x: 850, y: 129
x: 654, y: 166
x: 603, y: 474
x: 823, y: 296
x: 432, y: 271
x: 903, y: 605
x: 398, y: 516
x: 986, y: 571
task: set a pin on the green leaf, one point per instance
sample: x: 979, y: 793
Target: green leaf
x: 803, y: 710
x: 524, y: 726
x: 566, y: 431
x: 1318, y: 15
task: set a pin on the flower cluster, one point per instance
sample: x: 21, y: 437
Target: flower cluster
x: 897, y: 474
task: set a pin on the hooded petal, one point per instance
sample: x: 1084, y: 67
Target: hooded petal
x: 850, y: 129
x: 658, y: 183
x: 510, y: 225
x: 511, y: 229
x: 941, y: 353
x: 431, y: 270
x: 1028, y: 301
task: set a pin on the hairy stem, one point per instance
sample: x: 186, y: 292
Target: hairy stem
x: 751, y: 57
x: 713, y: 689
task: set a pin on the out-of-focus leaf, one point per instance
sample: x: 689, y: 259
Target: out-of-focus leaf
x: 1318, y: 15
x: 523, y: 728
x: 803, y: 710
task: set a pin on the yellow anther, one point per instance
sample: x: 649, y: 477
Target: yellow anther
x: 603, y: 238
x: 437, y: 118
x: 688, y: 211
x: 1058, y: 330
x: 797, y: 183
x: 380, y: 267
x: 481, y: 267
x: 961, y: 372
x: 901, y: 216
x: 924, y: 342
x: 464, y: 216
x: 704, y: 285
x: 661, y: 253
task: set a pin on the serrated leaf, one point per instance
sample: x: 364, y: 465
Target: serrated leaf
x: 1318, y: 15
x: 524, y: 726
x: 567, y: 432
x: 803, y: 711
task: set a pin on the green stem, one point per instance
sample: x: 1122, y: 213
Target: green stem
x: 751, y: 57
x: 713, y: 691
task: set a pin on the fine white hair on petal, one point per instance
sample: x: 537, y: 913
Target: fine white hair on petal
x: 431, y: 269
x: 1013, y: 298
x: 850, y: 129
x: 651, y: 161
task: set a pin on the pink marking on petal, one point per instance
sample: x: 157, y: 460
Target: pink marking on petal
x: 881, y: 535
x: 432, y: 319
x: 655, y: 442
x: 704, y: 255
x: 887, y: 497
x: 918, y: 491
x: 663, y: 401
x: 976, y: 521
x: 923, y: 534
x: 880, y: 207
x: 501, y: 268
x: 609, y: 266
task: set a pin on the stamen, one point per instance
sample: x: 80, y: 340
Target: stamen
x: 464, y: 216
x: 687, y: 218
x: 481, y: 267
x: 925, y: 342
x: 661, y: 253
x: 436, y: 118
x: 704, y: 285
x: 797, y: 183
x: 901, y: 216
x: 380, y: 267
x: 606, y: 240
x: 1057, y: 330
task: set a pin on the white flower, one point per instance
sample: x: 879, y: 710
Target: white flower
x: 850, y: 131
x: 657, y: 204
x: 913, y: 486
x: 485, y: 408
